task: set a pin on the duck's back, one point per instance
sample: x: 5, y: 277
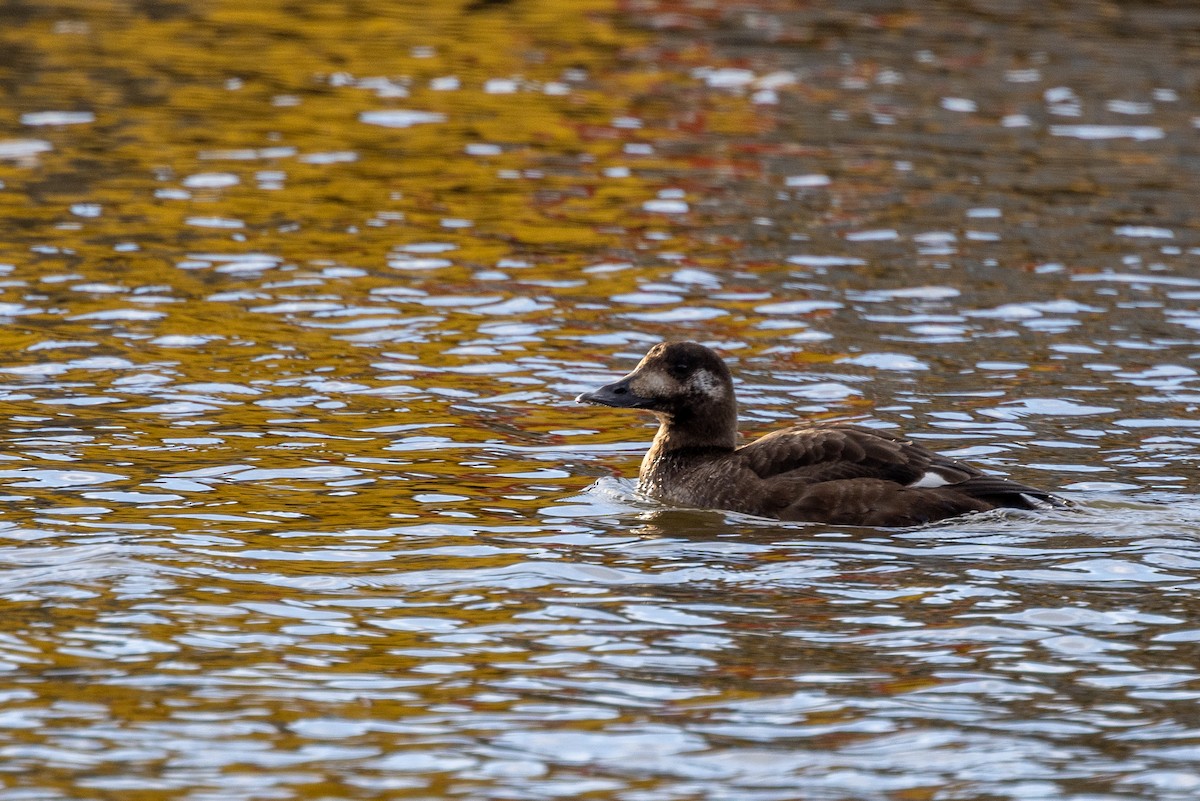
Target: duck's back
x: 845, y: 475
x: 839, y: 451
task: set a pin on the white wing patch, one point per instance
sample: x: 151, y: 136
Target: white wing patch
x: 930, y: 480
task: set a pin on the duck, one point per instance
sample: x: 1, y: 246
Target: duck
x: 832, y: 473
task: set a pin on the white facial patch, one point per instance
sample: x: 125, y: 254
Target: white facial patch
x: 929, y: 481
x: 652, y: 384
x: 707, y: 384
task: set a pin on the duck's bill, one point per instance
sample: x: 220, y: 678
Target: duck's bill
x: 617, y: 394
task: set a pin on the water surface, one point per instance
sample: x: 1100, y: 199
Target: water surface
x: 295, y: 301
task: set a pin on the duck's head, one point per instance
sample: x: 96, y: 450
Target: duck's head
x: 678, y: 380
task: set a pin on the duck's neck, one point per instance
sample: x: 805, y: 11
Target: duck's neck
x: 711, y: 432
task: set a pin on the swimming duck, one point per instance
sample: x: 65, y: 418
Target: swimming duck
x: 834, y: 473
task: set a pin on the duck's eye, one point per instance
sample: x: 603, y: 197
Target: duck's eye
x: 680, y: 368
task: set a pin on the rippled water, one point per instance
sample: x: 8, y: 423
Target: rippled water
x: 295, y: 299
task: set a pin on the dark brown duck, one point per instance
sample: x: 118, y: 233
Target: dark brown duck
x: 840, y: 474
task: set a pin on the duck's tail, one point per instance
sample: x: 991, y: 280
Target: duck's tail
x: 1010, y: 494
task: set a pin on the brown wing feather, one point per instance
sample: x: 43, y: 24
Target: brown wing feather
x: 830, y: 453
x: 859, y: 476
